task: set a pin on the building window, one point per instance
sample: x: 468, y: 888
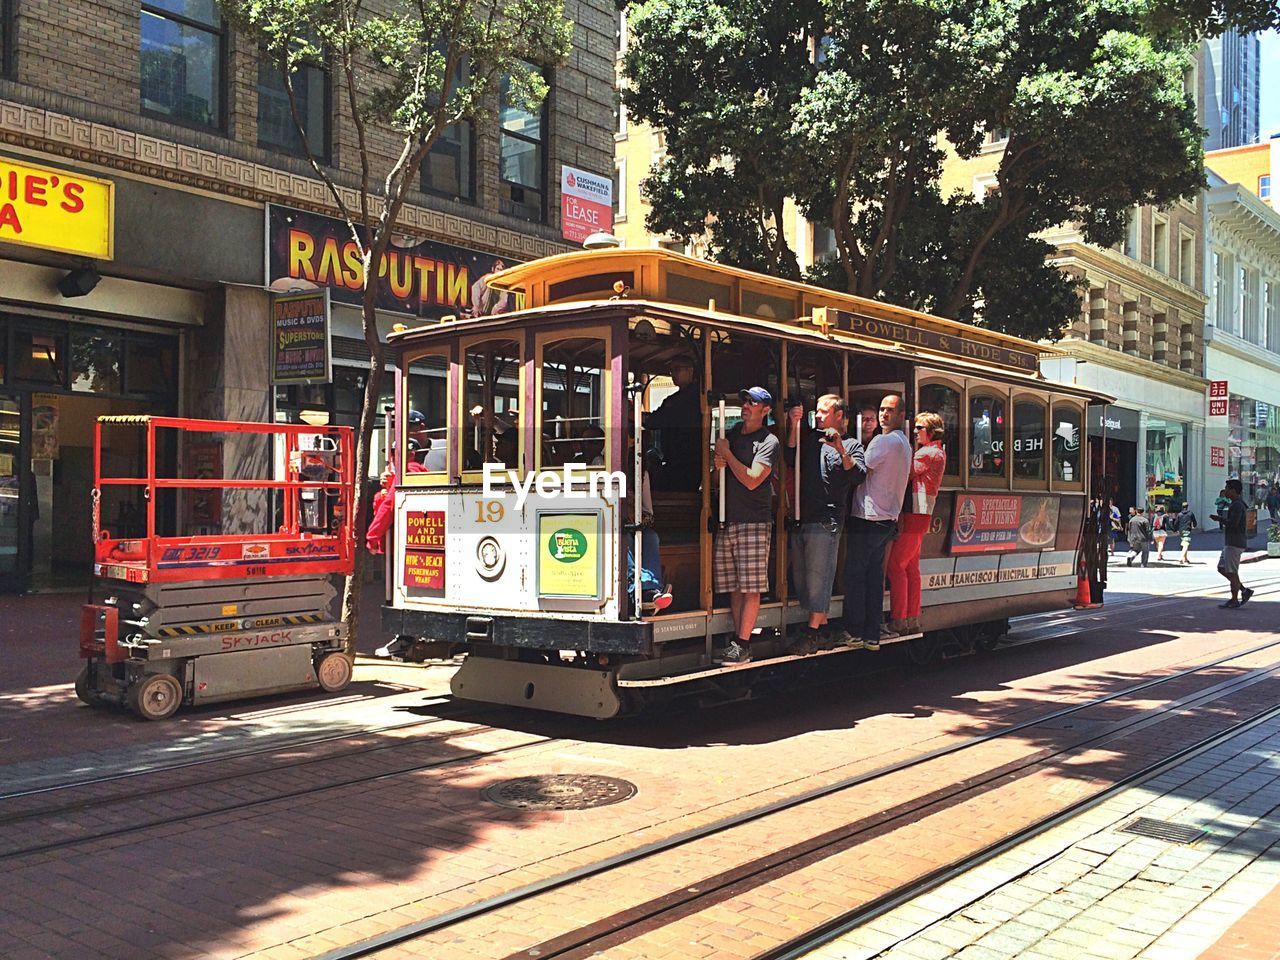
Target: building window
x: 522, y: 160
x: 182, y: 61
x: 1221, y: 290
x: 1264, y: 186
x: 984, y: 184
x: 1187, y: 259
x: 1160, y: 244
x: 276, y: 129
x: 1271, y: 319
x: 1130, y: 248
x: 619, y: 114
x: 620, y: 189
x: 449, y: 168
x: 1248, y: 322
x: 824, y: 242
x: 6, y: 38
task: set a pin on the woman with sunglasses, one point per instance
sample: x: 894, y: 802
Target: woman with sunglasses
x: 927, y: 468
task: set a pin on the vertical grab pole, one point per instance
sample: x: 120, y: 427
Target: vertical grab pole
x: 722, y: 469
x: 796, y: 500
x: 637, y: 498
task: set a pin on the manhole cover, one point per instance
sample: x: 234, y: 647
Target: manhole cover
x: 1163, y: 830
x: 560, y: 791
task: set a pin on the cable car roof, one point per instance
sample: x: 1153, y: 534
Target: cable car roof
x: 810, y: 332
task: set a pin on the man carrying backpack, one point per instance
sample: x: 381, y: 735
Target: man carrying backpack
x: 1187, y: 522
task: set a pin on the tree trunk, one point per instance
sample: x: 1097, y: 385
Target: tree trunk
x: 364, y: 437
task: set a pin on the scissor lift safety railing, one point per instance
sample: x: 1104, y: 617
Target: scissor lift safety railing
x: 292, y: 549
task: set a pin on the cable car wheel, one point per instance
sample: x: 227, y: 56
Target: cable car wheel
x: 927, y: 650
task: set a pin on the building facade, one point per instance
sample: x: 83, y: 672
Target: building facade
x: 1232, y: 86
x: 1242, y: 358
x: 171, y: 113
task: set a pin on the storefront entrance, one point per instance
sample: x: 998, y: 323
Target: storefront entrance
x: 58, y: 378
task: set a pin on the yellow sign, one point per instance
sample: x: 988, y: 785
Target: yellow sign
x: 56, y: 210
x: 569, y: 555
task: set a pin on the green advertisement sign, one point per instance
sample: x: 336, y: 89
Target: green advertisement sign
x: 569, y: 555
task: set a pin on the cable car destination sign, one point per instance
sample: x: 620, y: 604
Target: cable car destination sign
x: 874, y: 328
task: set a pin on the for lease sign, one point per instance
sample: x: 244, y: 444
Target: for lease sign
x: 586, y: 203
x: 56, y: 210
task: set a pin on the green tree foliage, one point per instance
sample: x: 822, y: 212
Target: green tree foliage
x: 851, y: 110
x: 404, y: 71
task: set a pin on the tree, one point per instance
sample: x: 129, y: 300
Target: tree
x: 406, y: 70
x: 1091, y: 97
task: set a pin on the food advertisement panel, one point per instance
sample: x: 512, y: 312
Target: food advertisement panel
x: 424, y: 550
x: 995, y: 523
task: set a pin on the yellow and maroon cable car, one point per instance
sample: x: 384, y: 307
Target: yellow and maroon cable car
x: 517, y: 431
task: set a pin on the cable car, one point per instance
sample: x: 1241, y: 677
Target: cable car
x: 514, y: 525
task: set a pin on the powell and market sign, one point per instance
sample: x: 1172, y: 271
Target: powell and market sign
x: 424, y: 278
x: 957, y: 346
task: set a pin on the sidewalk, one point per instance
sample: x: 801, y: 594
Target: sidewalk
x: 1090, y: 888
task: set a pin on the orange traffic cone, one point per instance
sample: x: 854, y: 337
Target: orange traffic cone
x: 1083, y: 598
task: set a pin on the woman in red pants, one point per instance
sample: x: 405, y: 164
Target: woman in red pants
x: 922, y: 490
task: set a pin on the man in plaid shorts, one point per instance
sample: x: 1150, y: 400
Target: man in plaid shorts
x: 749, y: 456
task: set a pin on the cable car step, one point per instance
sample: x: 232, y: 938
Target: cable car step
x: 722, y: 669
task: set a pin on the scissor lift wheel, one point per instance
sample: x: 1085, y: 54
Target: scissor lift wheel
x: 83, y: 690
x: 156, y: 696
x: 334, y: 672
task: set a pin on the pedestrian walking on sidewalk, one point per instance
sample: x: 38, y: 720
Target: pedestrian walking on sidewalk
x: 1139, y: 537
x: 1186, y: 523
x: 1160, y: 530
x: 1233, y: 523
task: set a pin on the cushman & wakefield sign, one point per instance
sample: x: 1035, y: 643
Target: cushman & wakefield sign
x: 56, y: 210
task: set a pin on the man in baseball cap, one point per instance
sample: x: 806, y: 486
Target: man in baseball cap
x: 740, y: 562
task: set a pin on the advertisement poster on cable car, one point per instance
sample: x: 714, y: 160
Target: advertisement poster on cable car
x: 424, y: 550
x: 569, y: 555
x: 419, y: 277
x: 995, y: 523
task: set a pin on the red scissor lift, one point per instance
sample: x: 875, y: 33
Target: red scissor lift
x: 205, y: 617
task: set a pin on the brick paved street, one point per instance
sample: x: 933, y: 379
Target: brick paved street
x: 296, y: 877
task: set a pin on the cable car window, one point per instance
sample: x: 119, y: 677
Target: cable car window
x: 944, y: 400
x: 1028, y: 440
x: 490, y: 424
x: 1066, y: 442
x: 426, y: 427
x: 986, y: 435
x: 573, y: 401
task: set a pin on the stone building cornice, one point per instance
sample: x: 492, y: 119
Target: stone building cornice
x: 1127, y: 272
x: 1241, y: 349
x: 47, y: 133
x: 1147, y: 369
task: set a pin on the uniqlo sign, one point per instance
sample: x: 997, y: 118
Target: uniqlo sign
x: 1218, y: 388
x: 586, y: 204
x: 1217, y: 456
x: 1217, y: 408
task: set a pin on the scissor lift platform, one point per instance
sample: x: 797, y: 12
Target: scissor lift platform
x: 202, y: 619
